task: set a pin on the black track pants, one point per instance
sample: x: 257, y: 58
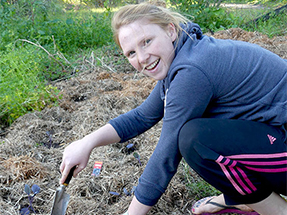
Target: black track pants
x: 245, y: 160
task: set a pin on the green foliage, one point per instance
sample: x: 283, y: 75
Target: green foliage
x: 275, y: 26
x: 211, y: 16
x: 36, y: 39
x: 197, y: 186
x: 22, y: 90
x: 201, y: 189
x: 214, y: 18
x: 71, y: 31
x: 104, y: 3
x: 207, y: 13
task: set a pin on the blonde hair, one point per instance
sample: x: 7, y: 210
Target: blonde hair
x: 149, y: 10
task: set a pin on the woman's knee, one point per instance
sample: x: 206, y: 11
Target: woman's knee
x: 188, y: 135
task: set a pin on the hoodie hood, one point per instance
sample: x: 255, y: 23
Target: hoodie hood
x: 190, y: 34
x: 190, y: 31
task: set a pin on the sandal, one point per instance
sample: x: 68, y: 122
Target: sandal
x: 225, y: 209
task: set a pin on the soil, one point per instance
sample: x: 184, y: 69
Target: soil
x: 31, y: 149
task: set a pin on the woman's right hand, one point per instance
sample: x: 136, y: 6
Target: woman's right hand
x: 76, y: 154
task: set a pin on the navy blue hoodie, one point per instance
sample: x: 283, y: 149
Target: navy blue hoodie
x: 209, y: 78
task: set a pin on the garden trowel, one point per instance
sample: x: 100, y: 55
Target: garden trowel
x: 62, y: 198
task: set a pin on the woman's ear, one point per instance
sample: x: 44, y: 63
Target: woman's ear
x: 171, y: 32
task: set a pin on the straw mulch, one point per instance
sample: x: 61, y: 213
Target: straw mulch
x: 31, y: 151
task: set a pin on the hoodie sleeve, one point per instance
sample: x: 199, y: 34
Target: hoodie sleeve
x: 140, y: 119
x: 187, y: 98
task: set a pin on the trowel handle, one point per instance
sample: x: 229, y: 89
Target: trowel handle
x: 69, y: 177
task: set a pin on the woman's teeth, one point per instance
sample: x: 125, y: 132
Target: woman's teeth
x: 152, y: 65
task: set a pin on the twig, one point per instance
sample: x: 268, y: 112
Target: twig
x: 105, y: 65
x: 93, y: 62
x: 38, y: 45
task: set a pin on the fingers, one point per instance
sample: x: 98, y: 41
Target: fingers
x: 74, y: 155
x: 65, y: 170
x: 77, y: 170
x: 62, y: 167
x: 65, y: 173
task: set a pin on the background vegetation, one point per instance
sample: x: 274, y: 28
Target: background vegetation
x: 41, y: 41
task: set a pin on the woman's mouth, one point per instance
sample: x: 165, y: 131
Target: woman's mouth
x: 152, y: 66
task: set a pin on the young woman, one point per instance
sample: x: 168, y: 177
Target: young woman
x: 223, y: 104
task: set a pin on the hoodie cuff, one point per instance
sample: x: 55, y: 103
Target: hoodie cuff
x: 148, y: 193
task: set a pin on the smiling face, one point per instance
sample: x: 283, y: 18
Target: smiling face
x: 148, y: 47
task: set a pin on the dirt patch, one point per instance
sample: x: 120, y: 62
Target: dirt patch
x: 31, y: 151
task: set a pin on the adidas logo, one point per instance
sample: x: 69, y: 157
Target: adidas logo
x: 271, y: 139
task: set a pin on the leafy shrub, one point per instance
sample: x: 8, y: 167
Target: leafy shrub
x: 75, y: 33
x: 206, y: 13
x: 22, y: 89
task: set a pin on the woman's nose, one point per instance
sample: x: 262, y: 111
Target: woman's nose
x: 142, y: 57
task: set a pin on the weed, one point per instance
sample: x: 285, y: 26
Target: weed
x: 211, y: 16
x: 22, y: 89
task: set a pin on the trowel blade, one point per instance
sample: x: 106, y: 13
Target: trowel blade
x: 60, y: 202
x: 62, y: 198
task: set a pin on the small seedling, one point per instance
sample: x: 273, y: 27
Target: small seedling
x: 137, y: 156
x: 114, y: 193
x: 129, y: 148
x: 126, y: 192
x: 35, y: 189
x: 130, y: 145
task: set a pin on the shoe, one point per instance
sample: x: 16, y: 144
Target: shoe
x: 225, y: 209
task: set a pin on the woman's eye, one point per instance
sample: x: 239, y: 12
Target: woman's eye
x: 131, y: 53
x: 147, y: 41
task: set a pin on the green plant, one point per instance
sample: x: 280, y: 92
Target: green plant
x: 22, y: 89
x: 275, y: 26
x: 71, y: 30
x: 206, y: 13
x: 36, y: 39
x: 196, y: 185
x: 211, y: 16
x: 214, y: 19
